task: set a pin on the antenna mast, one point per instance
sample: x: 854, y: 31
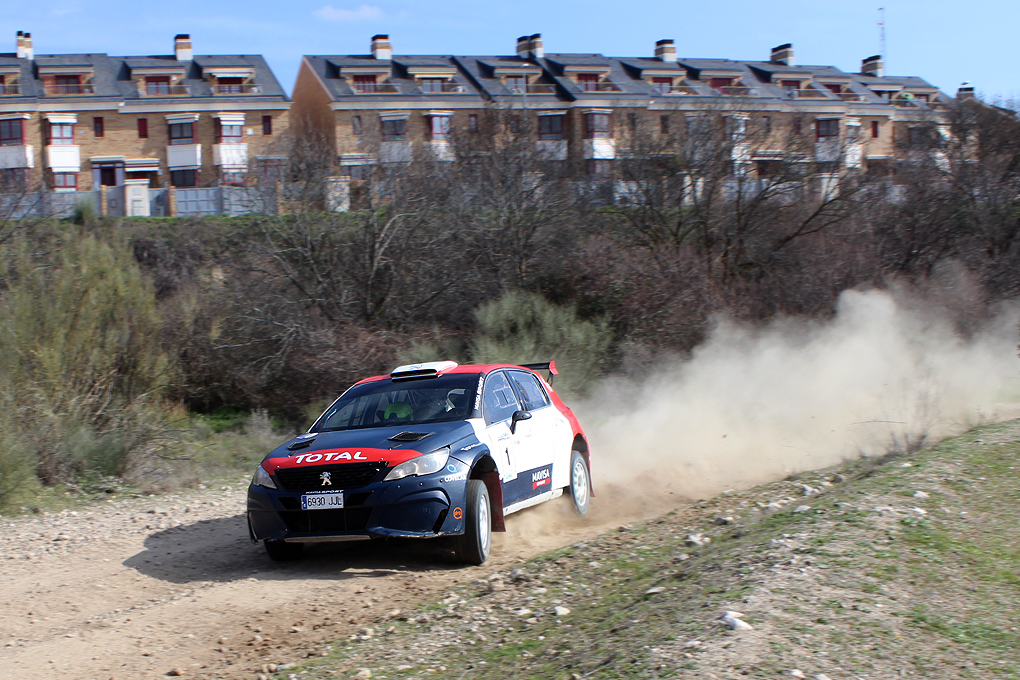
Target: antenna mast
x: 881, y: 34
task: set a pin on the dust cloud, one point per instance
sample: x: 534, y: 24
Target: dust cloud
x: 756, y: 404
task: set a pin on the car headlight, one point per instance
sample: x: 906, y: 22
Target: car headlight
x: 263, y: 478
x: 422, y: 465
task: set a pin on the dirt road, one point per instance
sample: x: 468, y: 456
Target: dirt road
x: 137, y: 588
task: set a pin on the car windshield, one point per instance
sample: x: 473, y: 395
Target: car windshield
x: 411, y: 402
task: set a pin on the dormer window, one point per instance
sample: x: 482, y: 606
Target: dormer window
x: 8, y: 86
x: 516, y: 84
x: 835, y: 88
x: 68, y: 85
x: 230, y: 85
x: 790, y: 87
x: 365, y: 84
x: 156, y: 85
x: 720, y: 83
x: 431, y: 84
x: 662, y: 85
x: 589, y: 82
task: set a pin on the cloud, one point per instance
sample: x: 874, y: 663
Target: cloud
x: 362, y: 13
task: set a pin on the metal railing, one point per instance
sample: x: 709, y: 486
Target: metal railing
x: 163, y: 90
x: 446, y: 87
x: 13, y: 88
x: 807, y: 93
x: 678, y: 89
x: 589, y: 86
x: 80, y: 88
x: 851, y: 96
x: 736, y: 91
x: 374, y: 88
x: 238, y: 88
x: 535, y: 88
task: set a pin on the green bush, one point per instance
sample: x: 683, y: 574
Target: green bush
x: 523, y: 328
x: 80, y: 359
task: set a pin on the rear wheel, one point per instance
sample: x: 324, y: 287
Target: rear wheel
x: 474, y: 544
x: 580, y: 485
x: 281, y: 551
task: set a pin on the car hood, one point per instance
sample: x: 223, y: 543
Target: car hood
x: 368, y: 444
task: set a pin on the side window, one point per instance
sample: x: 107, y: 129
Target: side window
x: 498, y: 400
x: 532, y: 394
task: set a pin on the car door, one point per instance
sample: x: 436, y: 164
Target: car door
x: 499, y: 402
x: 545, y: 437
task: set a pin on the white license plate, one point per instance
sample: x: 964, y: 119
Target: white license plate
x: 322, y: 501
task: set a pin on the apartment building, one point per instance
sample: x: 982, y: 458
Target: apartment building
x: 588, y: 109
x: 80, y: 122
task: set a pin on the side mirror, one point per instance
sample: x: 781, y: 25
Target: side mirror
x: 517, y: 417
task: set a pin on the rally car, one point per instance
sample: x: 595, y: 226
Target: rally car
x: 432, y: 449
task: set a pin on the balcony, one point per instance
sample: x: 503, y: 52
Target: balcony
x: 62, y: 90
x: 444, y: 87
x: 806, y: 93
x: 736, y: 91
x: 374, y: 88
x: 535, y: 88
x: 184, y: 156
x: 163, y: 90
x: 551, y: 149
x: 851, y: 96
x: 677, y: 90
x: 238, y: 89
x: 13, y: 88
x: 18, y: 156
x: 600, y: 149
x: 232, y: 155
x: 588, y: 86
x: 63, y: 157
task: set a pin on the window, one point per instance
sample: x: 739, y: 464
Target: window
x: 356, y: 125
x: 157, y: 85
x: 65, y: 181
x: 498, y: 399
x: 517, y: 84
x: 853, y: 133
x: 184, y: 178
x: 798, y: 126
x: 790, y: 86
x: 874, y: 129
x: 632, y: 122
x: 364, y: 84
x: 719, y: 83
x: 664, y: 124
x: 394, y: 130
x: 920, y: 137
x: 267, y: 125
x: 597, y: 126
x: 827, y: 129
x: 355, y: 172
x: 766, y: 124
x: 530, y: 391
x: 439, y: 128
x: 550, y: 128
x: 473, y: 122
x: 589, y: 82
x: 271, y: 170
x: 13, y: 179
x: 143, y: 128
x: 230, y: 85
x: 599, y: 168
x: 97, y: 126
x: 61, y: 134
x: 233, y: 177
x: 182, y: 133
x: 662, y: 85
x: 833, y: 87
x: 431, y: 84
x: 68, y: 85
x: 11, y: 132
x: 230, y: 133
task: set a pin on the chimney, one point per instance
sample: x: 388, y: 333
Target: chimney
x: 872, y: 66
x: 182, y: 47
x: 381, y: 47
x: 523, y: 46
x: 965, y: 92
x: 782, y: 54
x: 537, y: 50
x: 24, y: 46
x: 665, y: 50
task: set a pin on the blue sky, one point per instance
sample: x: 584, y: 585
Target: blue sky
x: 946, y: 42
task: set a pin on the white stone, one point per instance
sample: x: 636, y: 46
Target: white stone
x: 561, y: 611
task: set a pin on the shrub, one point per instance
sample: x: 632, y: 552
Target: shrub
x: 524, y: 327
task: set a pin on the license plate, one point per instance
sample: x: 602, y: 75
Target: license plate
x: 322, y: 501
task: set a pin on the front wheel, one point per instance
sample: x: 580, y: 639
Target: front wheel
x: 281, y: 551
x: 474, y: 544
x: 580, y: 485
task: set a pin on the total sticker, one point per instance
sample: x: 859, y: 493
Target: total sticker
x: 458, y: 513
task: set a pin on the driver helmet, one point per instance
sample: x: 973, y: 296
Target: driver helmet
x: 398, y: 411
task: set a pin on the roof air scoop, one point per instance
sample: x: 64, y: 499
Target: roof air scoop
x: 409, y: 436
x: 430, y: 369
x: 302, y: 440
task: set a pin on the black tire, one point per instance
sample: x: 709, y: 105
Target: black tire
x: 474, y: 544
x: 281, y: 551
x: 580, y: 483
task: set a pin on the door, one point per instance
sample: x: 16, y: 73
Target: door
x: 498, y: 406
x: 545, y: 437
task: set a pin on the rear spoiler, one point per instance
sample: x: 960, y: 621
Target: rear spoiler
x: 544, y: 366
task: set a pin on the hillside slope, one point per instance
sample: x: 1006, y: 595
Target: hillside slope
x: 905, y: 566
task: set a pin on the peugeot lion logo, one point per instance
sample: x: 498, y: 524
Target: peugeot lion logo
x: 325, y: 479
